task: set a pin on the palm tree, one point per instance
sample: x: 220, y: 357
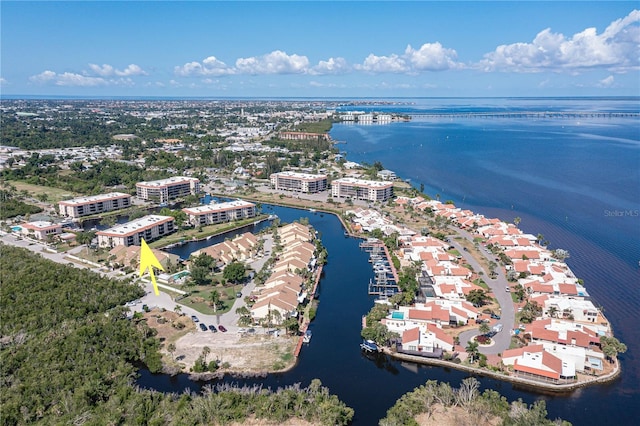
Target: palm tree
x: 171, y: 348
x: 552, y: 311
x: 205, y: 352
x: 517, y: 220
x: 472, y: 350
x: 215, y: 299
x: 178, y: 310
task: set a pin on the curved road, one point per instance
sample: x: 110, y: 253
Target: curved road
x: 501, y: 340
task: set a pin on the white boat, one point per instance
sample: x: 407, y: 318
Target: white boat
x: 307, y: 336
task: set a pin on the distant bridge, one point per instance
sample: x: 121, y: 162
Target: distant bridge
x: 527, y: 114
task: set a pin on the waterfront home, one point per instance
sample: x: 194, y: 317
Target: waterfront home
x: 288, y: 279
x: 281, y: 298
x: 294, y: 232
x: 41, y: 229
x: 533, y: 362
x: 241, y: 248
x: 427, y: 338
x: 360, y: 189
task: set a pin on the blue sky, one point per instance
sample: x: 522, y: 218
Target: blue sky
x: 320, y: 48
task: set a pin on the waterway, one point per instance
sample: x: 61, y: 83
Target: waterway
x: 560, y: 177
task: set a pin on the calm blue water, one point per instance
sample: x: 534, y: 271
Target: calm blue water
x: 560, y: 176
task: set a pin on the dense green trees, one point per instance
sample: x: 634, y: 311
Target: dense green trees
x: 466, y: 405
x: 234, y: 272
x: 67, y: 350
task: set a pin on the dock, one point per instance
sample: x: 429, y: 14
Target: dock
x: 386, y: 278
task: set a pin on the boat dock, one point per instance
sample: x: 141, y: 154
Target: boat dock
x: 386, y: 279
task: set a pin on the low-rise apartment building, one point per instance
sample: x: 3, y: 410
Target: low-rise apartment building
x: 299, y: 182
x: 221, y: 212
x: 360, y: 189
x: 41, y: 229
x: 94, y: 204
x: 164, y: 190
x: 150, y: 227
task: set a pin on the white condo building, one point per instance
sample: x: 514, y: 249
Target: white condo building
x: 165, y: 190
x: 95, y: 204
x: 299, y: 182
x: 359, y: 189
x: 220, y: 212
x: 149, y: 227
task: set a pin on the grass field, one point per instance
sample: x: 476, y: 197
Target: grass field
x: 54, y: 194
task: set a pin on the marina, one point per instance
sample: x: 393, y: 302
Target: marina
x: 385, y: 281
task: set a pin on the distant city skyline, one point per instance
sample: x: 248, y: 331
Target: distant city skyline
x: 320, y: 49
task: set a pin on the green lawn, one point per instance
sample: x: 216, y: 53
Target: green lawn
x: 201, y: 296
x: 53, y: 194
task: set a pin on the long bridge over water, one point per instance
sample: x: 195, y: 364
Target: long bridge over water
x: 527, y: 114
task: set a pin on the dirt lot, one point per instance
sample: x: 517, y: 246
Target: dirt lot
x: 240, y: 353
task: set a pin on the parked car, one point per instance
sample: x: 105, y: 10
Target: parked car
x: 508, y: 289
x: 203, y: 327
x: 213, y: 329
x: 238, y: 295
x: 194, y: 318
x: 495, y: 316
x: 222, y: 328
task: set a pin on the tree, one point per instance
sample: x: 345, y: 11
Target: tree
x: 85, y: 237
x: 477, y: 297
x: 561, y: 254
x: 199, y: 275
x: 215, y: 299
x: 205, y: 353
x: 517, y: 220
x: 171, y: 348
x: 291, y: 325
x: 484, y: 328
x: 611, y: 347
x: 552, y: 311
x: 234, y: 272
x: 472, y: 350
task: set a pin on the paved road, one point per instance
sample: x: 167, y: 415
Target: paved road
x: 502, y: 340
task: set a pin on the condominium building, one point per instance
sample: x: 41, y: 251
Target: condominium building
x: 359, y: 189
x: 149, y: 227
x: 220, y: 212
x: 85, y: 206
x: 164, y: 190
x: 299, y: 182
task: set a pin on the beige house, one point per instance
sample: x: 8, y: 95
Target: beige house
x: 41, y: 229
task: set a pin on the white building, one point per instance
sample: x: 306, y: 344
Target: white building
x: 360, y: 189
x: 149, y: 227
x: 220, y: 212
x: 41, y: 229
x: 299, y: 182
x: 85, y: 206
x: 164, y: 190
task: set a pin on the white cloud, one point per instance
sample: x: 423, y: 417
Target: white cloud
x: 431, y: 57
x: 210, y: 66
x: 107, y: 70
x: 606, y: 82
x: 331, y: 66
x: 43, y: 77
x: 3, y: 81
x: 79, y: 80
x: 617, y: 49
x: 382, y: 64
x: 276, y: 62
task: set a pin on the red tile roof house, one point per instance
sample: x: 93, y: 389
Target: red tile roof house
x: 533, y: 362
x: 428, y: 341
